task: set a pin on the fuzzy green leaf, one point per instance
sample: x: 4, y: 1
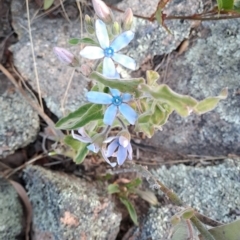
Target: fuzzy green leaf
x: 160, y: 115
x: 146, y: 128
x: 133, y: 184
x: 113, y: 188
x: 184, y: 231
x: 182, y: 104
x: 82, y: 116
x: 152, y: 77
x: 88, y: 41
x: 225, y: 4
x: 229, y: 231
x: 80, y: 148
x: 210, y: 103
x: 128, y: 85
x: 148, y: 196
x: 47, y: 4
x: 130, y: 209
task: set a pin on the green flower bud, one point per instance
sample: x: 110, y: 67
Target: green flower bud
x: 116, y: 29
x: 89, y: 25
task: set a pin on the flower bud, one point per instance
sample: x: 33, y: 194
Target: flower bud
x: 116, y: 28
x: 65, y: 56
x: 127, y: 19
x: 124, y: 138
x: 89, y: 25
x: 102, y: 11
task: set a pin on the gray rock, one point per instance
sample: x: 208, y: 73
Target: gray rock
x: 19, y: 123
x: 11, y: 217
x: 210, y: 64
x: 69, y: 208
x: 152, y: 39
x: 53, y: 76
x: 213, y: 191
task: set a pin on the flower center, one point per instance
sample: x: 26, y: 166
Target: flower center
x: 108, y: 52
x: 117, y: 101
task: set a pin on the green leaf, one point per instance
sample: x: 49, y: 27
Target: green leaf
x: 148, y: 196
x: 126, y: 85
x: 187, y: 213
x: 47, y: 4
x: 160, y: 115
x: 82, y: 116
x: 152, y: 77
x: 184, y: 231
x: 210, y: 103
x: 225, y: 4
x: 229, y: 231
x: 89, y: 41
x: 160, y: 16
x: 113, y: 188
x: 80, y: 148
x: 146, y: 128
x: 182, y: 104
x: 133, y: 184
x: 130, y: 209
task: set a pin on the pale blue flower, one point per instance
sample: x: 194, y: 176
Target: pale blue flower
x: 121, y: 148
x: 109, y: 51
x: 117, y: 103
x: 95, y: 145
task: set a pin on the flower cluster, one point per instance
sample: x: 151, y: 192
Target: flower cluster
x: 115, y: 102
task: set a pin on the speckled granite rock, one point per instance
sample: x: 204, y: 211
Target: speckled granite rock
x: 69, y: 208
x: 11, y: 217
x: 19, y: 123
x: 53, y: 76
x: 210, y: 64
x: 213, y: 191
x: 152, y: 39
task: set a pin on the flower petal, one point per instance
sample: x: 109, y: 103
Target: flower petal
x: 92, y: 52
x: 116, y: 76
x: 110, y: 115
x: 80, y: 138
x: 125, y: 61
x: 115, y: 92
x: 107, y: 160
x: 82, y: 131
x: 122, y: 40
x: 102, y: 34
x: 123, y: 141
x: 109, y: 139
x: 93, y: 147
x: 99, y: 97
x: 121, y: 155
x: 112, y: 148
x: 109, y: 69
x: 126, y: 97
x: 129, y: 149
x: 128, y: 113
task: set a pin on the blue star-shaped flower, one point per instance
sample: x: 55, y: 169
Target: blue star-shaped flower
x: 117, y: 102
x: 109, y: 51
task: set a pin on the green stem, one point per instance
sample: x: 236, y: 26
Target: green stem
x: 202, y: 229
x: 122, y: 123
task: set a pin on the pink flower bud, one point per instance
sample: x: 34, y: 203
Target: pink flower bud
x: 102, y: 11
x: 127, y: 19
x: 65, y: 56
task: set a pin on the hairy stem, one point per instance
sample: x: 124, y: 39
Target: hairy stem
x: 201, y: 228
